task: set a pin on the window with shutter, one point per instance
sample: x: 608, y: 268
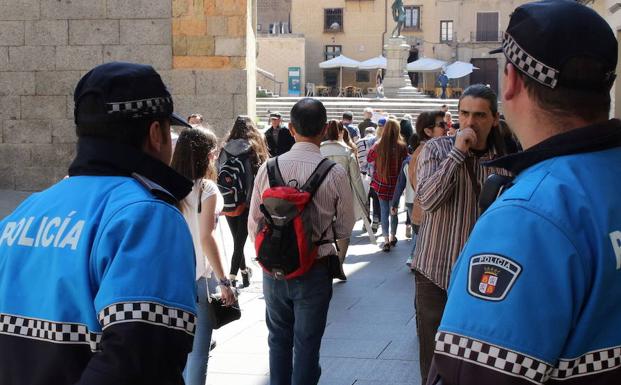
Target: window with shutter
x: 487, y: 26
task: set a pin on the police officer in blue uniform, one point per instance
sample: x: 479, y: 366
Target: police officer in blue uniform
x: 97, y: 272
x: 535, y: 297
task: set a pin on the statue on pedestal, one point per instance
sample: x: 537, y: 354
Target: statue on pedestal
x: 398, y: 15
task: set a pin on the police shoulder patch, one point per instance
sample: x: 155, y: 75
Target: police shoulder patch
x: 491, y: 276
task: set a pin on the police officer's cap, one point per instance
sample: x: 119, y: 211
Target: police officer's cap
x: 120, y: 92
x: 542, y: 36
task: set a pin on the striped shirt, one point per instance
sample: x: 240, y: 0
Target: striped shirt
x: 449, y: 203
x: 335, y: 192
x: 364, y: 145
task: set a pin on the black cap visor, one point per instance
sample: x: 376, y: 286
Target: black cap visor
x: 496, y: 50
x: 177, y: 120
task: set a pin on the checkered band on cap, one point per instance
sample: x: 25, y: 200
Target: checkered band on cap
x: 50, y: 331
x: 148, y: 312
x: 492, y: 357
x: 141, y: 108
x: 532, y: 67
x: 590, y: 363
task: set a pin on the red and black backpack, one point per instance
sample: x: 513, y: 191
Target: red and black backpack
x: 284, y: 244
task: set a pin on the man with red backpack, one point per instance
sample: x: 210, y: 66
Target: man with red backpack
x: 300, y: 204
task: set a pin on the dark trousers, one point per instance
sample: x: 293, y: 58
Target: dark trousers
x: 376, y: 205
x: 239, y: 230
x: 429, y: 302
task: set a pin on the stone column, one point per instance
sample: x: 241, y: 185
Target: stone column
x: 214, y: 45
x: 396, y: 77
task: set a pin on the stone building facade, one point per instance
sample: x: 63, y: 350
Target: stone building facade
x: 199, y: 47
x: 448, y: 30
x: 279, y: 53
x: 273, y: 16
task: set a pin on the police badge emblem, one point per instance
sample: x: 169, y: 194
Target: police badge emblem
x: 491, y: 276
x: 489, y: 280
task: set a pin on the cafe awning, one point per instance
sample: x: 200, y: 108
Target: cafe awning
x: 459, y: 69
x: 340, y: 61
x: 373, y: 63
x: 426, y: 64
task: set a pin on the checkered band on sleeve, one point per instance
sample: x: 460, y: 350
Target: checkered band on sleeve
x: 49, y: 331
x: 148, y: 312
x: 535, y: 69
x: 590, y: 363
x: 139, y: 108
x: 492, y: 357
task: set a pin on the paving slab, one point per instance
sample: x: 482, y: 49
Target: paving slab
x: 386, y: 371
x: 236, y: 379
x: 353, y: 348
x: 9, y: 200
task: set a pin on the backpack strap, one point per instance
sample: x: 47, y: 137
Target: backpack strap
x: 317, y: 177
x: 273, y: 173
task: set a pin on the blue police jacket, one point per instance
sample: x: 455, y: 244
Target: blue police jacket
x: 535, y: 296
x: 97, y: 277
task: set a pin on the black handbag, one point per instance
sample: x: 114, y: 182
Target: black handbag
x: 220, y: 315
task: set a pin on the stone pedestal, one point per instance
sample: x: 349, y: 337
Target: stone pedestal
x: 396, y: 78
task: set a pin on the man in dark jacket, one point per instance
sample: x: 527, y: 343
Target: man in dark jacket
x: 278, y: 138
x: 367, y: 122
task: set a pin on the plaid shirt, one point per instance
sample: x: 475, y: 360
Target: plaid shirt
x: 386, y: 188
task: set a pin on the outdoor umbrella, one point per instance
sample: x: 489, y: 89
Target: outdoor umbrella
x: 459, y: 69
x: 373, y: 63
x: 340, y: 62
x: 425, y: 64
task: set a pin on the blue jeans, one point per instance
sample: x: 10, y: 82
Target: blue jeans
x: 195, y: 372
x: 394, y: 221
x: 296, y: 314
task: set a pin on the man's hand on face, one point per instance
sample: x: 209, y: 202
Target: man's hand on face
x: 465, y: 139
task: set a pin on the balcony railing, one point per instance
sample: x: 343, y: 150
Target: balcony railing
x: 486, y: 36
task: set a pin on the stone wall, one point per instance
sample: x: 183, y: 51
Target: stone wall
x: 212, y: 40
x: 199, y: 47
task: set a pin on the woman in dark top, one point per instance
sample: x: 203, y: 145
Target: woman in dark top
x: 244, y: 140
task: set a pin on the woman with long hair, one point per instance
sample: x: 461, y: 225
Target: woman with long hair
x: 193, y: 158
x: 336, y: 148
x: 246, y: 143
x: 387, y: 155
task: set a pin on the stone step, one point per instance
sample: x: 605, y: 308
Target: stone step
x: 336, y: 106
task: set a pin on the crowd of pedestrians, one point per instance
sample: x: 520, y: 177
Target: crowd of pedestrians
x: 515, y: 226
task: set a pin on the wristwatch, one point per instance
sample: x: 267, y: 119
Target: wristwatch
x: 225, y: 282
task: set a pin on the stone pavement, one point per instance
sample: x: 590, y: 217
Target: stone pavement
x: 370, y: 338
x: 9, y: 199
